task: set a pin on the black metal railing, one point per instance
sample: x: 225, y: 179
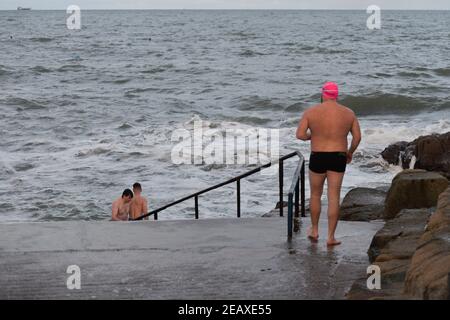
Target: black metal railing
x: 296, y: 190
x: 237, y: 180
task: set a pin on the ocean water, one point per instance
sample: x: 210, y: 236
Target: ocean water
x: 84, y: 114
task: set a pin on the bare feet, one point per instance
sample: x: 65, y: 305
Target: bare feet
x: 333, y: 242
x: 313, y: 235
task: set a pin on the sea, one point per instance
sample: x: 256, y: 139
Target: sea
x: 86, y: 113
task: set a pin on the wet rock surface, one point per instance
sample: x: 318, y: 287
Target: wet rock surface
x: 413, y: 189
x: 413, y: 253
x: 431, y: 152
x: 428, y: 274
x: 392, y: 249
x: 363, y: 204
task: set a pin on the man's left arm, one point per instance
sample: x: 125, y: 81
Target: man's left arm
x: 302, y: 129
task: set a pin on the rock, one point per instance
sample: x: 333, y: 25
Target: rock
x: 391, y: 250
x: 363, y: 204
x: 392, y: 153
x: 413, y: 189
x: 431, y: 152
x: 272, y: 214
x: 285, y: 204
x: 428, y: 274
x: 399, y: 236
x: 276, y: 212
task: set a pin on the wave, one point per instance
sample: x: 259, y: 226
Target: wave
x: 257, y: 103
x: 135, y: 92
x: 331, y: 51
x: 242, y: 35
x: 386, y: 103
x: 296, y: 107
x: 250, y: 53
x: 118, y: 81
x: 408, y: 74
x: 4, y: 71
x: 24, y: 104
x: 41, y: 39
x: 40, y: 69
x: 444, y: 72
x: 125, y: 126
x: 92, y: 152
x: 158, y: 69
x: 70, y: 67
x: 256, y: 121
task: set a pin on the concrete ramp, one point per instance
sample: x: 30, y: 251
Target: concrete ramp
x: 184, y: 259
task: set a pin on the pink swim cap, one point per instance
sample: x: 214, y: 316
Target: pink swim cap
x: 330, y: 90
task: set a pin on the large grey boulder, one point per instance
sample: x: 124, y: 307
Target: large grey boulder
x: 413, y: 189
x: 363, y: 204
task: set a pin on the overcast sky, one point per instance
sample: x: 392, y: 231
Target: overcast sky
x: 227, y: 4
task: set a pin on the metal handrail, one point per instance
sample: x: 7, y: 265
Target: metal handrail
x: 236, y: 179
x: 297, y: 187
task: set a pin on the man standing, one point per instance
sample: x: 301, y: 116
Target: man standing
x: 121, y: 206
x: 139, y: 205
x: 329, y: 124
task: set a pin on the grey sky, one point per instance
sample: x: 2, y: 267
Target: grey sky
x: 227, y: 4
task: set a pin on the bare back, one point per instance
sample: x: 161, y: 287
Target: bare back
x: 138, y: 206
x: 329, y: 123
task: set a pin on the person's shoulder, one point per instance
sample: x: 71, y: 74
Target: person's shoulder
x: 311, y: 109
x: 348, y: 110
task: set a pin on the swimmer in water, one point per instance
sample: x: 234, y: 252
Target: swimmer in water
x: 121, y: 207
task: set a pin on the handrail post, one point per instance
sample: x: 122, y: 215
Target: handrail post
x: 297, y: 196
x: 289, y: 216
x: 280, y: 178
x: 302, y: 181
x: 238, y: 191
x: 196, y: 207
x: 155, y: 216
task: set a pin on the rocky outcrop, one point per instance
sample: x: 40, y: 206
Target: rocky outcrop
x: 393, y: 152
x: 391, y: 250
x: 413, y: 253
x: 413, y: 189
x: 363, y: 204
x: 428, y: 274
x: 431, y: 153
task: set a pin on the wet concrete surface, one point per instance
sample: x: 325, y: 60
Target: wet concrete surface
x: 203, y: 259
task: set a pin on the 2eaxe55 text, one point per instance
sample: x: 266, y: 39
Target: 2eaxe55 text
x: 231, y: 309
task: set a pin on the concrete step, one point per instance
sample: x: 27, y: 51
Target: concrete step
x: 247, y: 258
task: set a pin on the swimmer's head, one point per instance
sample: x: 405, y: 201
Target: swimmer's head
x: 330, y: 91
x: 127, y: 195
x: 137, y: 187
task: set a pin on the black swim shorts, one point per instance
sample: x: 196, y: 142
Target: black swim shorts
x: 321, y: 162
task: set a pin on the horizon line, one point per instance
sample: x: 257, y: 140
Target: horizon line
x: 231, y: 9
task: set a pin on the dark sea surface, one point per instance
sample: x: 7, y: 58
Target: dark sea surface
x: 84, y: 114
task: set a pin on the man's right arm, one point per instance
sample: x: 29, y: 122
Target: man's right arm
x: 145, y: 208
x: 356, y: 139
